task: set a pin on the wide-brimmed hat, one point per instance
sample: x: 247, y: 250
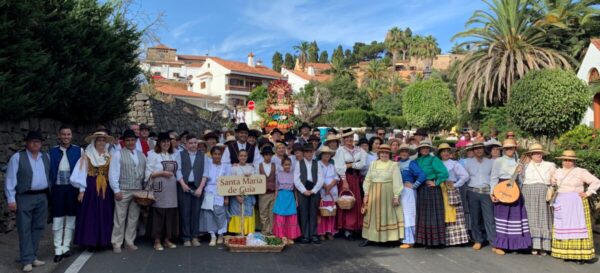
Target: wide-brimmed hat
x: 162, y: 136
x: 128, y: 134
x: 325, y: 150
x: 420, y: 132
x: 384, y: 148
x: 34, y: 135
x: 347, y: 132
x: 403, y: 146
x: 476, y: 144
x: 492, y: 143
x: 242, y: 127
x: 267, y: 150
x: 230, y: 139
x: 425, y: 144
x: 276, y: 130
x: 568, y: 154
x: 331, y: 138
x: 509, y: 143
x: 536, y: 148
x: 443, y: 146
x: 304, y: 125
x: 97, y: 134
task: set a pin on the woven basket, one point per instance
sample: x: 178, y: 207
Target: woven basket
x: 245, y: 248
x: 323, y: 211
x: 346, y: 203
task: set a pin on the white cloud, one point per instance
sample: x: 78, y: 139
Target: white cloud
x: 183, y: 28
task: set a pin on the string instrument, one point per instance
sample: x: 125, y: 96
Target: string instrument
x: 508, y: 191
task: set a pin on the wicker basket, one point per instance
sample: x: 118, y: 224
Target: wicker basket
x: 245, y: 248
x: 323, y: 211
x: 346, y: 203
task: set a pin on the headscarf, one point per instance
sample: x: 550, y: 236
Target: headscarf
x: 97, y: 161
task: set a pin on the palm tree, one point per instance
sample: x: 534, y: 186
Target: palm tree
x: 376, y: 88
x: 376, y: 70
x: 339, y: 69
x: 396, y: 83
x: 302, y: 50
x: 393, y: 42
x: 507, y: 45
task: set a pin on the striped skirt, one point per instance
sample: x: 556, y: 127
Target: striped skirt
x: 540, y: 216
x: 576, y: 249
x: 382, y: 222
x: 512, y: 226
x: 431, y: 226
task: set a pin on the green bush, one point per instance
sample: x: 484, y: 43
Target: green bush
x: 345, y: 118
x: 389, y: 104
x: 497, y: 118
x: 548, y: 102
x: 429, y: 104
x: 397, y: 122
x: 581, y: 137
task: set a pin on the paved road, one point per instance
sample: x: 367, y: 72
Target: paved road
x: 332, y: 256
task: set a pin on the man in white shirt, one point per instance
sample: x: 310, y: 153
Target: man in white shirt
x: 308, y: 180
x: 230, y: 156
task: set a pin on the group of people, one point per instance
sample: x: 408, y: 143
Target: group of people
x: 397, y: 190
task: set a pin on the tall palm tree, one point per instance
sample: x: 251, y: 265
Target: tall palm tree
x: 339, y: 69
x: 302, y: 50
x: 393, y: 42
x: 507, y: 45
x: 376, y: 70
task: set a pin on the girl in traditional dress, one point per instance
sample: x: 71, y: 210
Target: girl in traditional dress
x: 213, y: 216
x: 413, y: 177
x: 349, y: 161
x: 383, y: 221
x: 572, y: 237
x: 329, y: 193
x: 512, y: 224
x: 93, y: 224
x: 285, y: 219
x: 235, y: 203
x: 456, y: 232
x: 160, y: 173
x: 536, y: 180
x: 431, y: 225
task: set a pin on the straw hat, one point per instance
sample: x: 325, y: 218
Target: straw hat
x: 97, y: 134
x: 230, y: 139
x: 384, y: 148
x: 492, y: 143
x: 476, y: 144
x: 347, y: 132
x: 536, y: 148
x: 444, y: 146
x: 509, y: 143
x: 425, y: 143
x: 325, y: 150
x: 331, y: 138
x: 568, y: 154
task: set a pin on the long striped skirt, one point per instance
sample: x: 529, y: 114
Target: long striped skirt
x: 540, y: 216
x: 456, y: 232
x: 382, y: 222
x: 431, y: 226
x: 512, y: 226
x: 574, y: 249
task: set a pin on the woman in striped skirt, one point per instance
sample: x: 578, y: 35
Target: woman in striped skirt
x: 431, y: 226
x: 536, y: 180
x: 572, y: 237
x: 456, y: 231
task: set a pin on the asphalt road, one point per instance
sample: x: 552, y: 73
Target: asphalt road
x: 332, y: 256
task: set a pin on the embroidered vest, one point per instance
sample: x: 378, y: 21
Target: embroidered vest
x: 131, y: 176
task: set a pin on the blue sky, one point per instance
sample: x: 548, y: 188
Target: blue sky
x: 232, y: 28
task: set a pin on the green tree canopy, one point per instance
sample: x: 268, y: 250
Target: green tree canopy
x: 324, y: 57
x: 389, y: 104
x: 277, y: 61
x: 313, y: 52
x: 289, y: 61
x: 429, y: 104
x: 548, y: 102
x: 338, y: 53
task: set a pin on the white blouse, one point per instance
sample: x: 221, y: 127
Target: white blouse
x: 329, y: 175
x: 154, y: 162
x: 357, y: 156
x: 538, y: 173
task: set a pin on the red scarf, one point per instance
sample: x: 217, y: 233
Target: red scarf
x: 145, y: 146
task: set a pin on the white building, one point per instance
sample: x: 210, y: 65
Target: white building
x: 588, y: 71
x: 301, y: 75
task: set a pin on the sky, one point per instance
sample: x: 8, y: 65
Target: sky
x: 231, y: 29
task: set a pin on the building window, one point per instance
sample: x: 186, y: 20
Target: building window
x: 156, y: 73
x: 175, y: 75
x: 236, y: 82
x: 203, y: 85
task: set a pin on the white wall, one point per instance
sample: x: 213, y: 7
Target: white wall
x: 215, y: 86
x: 591, y: 60
x: 294, y: 80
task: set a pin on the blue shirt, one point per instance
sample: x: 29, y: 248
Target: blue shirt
x: 411, y: 172
x: 479, y: 172
x: 38, y: 181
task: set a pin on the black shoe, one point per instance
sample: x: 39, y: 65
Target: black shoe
x: 304, y: 241
x: 67, y: 254
x: 364, y: 243
x: 350, y: 237
x: 315, y: 240
x: 58, y: 258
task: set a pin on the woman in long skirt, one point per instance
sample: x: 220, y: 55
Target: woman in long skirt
x: 536, y: 180
x: 431, y: 224
x: 93, y: 225
x: 512, y: 224
x: 412, y: 177
x: 572, y: 237
x: 349, y: 161
x: 160, y: 173
x: 456, y: 231
x: 285, y: 215
x: 329, y: 193
x: 213, y: 215
x: 383, y: 221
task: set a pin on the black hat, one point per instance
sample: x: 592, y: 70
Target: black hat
x: 210, y: 135
x: 128, y: 134
x: 163, y: 136
x: 254, y: 133
x: 314, y: 138
x: 276, y: 130
x: 363, y: 141
x: 143, y: 126
x: 308, y: 148
x: 266, y: 150
x: 152, y: 134
x: 289, y: 136
x: 242, y: 127
x: 34, y: 135
x: 304, y: 125
x: 297, y: 147
x: 421, y: 132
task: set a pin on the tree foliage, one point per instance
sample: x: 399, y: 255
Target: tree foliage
x: 277, y: 61
x: 389, y: 104
x: 324, y: 57
x: 429, y: 104
x: 289, y: 61
x: 548, y: 102
x: 313, y: 52
x: 58, y: 58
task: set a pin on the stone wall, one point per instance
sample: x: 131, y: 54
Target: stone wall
x: 161, y: 115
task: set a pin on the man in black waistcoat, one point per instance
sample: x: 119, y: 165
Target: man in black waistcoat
x: 230, y: 156
x: 308, y: 180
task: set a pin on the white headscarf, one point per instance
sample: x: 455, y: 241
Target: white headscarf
x: 96, y: 159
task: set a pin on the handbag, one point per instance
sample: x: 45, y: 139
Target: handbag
x: 552, y: 191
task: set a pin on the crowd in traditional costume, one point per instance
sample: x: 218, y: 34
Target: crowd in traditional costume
x: 396, y: 189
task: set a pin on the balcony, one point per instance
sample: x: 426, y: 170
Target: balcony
x: 238, y: 88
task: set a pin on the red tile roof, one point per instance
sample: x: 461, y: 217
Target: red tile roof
x: 192, y: 57
x: 596, y: 43
x: 320, y: 77
x: 318, y: 66
x: 161, y: 46
x: 245, y: 68
x: 177, y: 89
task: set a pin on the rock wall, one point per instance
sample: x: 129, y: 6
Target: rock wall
x: 161, y: 115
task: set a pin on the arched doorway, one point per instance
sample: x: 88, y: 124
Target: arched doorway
x: 594, y: 77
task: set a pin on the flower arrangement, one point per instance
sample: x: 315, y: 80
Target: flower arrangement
x: 279, y: 106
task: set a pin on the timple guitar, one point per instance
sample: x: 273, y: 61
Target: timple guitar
x: 508, y: 191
